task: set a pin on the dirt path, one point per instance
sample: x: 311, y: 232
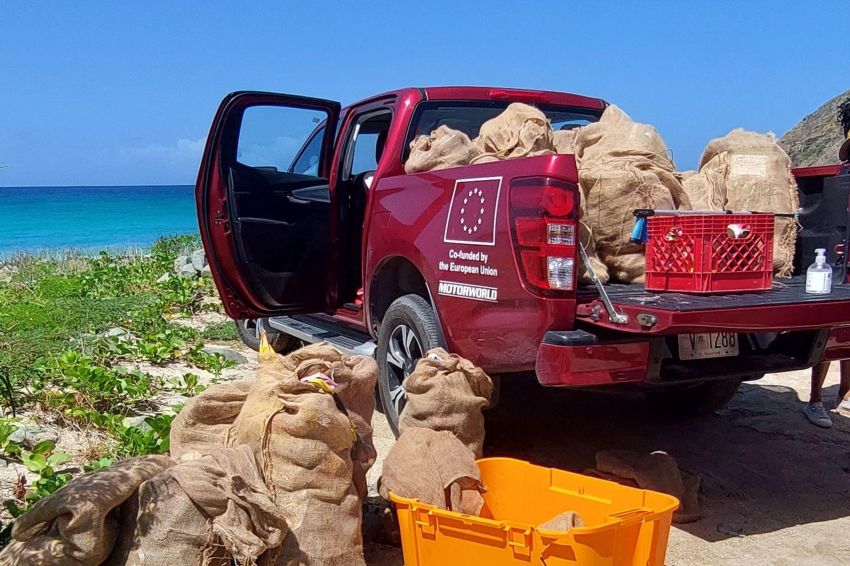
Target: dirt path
x: 775, y: 489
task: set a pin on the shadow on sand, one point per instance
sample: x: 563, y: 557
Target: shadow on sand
x: 763, y: 467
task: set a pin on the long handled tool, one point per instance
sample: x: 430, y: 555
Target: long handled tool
x: 613, y: 315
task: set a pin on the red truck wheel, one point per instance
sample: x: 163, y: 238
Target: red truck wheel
x: 408, y: 330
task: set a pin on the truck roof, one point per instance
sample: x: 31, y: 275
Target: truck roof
x: 491, y: 93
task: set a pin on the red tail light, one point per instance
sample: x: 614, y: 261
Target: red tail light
x: 544, y: 228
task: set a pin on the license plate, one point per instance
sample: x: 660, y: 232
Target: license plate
x: 703, y: 346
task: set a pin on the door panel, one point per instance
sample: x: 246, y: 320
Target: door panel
x: 266, y: 228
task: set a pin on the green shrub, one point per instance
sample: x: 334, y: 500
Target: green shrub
x: 44, y: 461
x: 214, y: 363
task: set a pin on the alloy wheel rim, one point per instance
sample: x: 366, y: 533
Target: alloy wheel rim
x: 403, y: 350
x: 251, y: 327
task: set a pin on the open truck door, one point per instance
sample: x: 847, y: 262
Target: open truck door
x: 263, y: 202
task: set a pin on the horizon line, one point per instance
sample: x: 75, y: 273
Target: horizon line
x: 93, y: 186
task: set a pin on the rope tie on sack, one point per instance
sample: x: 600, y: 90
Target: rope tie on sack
x: 325, y: 384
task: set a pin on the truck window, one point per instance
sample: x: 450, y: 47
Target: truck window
x: 366, y: 143
x: 307, y: 162
x: 271, y: 136
x: 468, y: 116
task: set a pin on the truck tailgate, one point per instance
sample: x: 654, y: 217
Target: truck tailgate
x: 784, y: 307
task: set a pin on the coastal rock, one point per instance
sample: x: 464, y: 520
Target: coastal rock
x: 187, y: 271
x: 206, y: 271
x: 163, y: 278
x: 180, y: 261
x: 138, y: 422
x: 117, y: 334
x: 227, y: 352
x: 6, y: 273
x: 30, y: 434
x: 199, y: 260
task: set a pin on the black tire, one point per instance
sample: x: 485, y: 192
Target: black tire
x: 694, y: 400
x: 408, y: 330
x: 250, y: 336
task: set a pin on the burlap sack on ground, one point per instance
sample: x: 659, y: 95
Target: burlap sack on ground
x: 444, y: 148
x: 202, y: 427
x: 355, y: 377
x: 756, y: 174
x: 520, y: 131
x: 447, y: 392
x: 623, y: 166
x: 564, y: 522
x: 303, y: 443
x: 78, y: 525
x: 657, y: 471
x: 206, y: 511
x: 435, y: 468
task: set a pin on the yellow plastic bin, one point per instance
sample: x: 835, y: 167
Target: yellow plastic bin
x: 623, y: 525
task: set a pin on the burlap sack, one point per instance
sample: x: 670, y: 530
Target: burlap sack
x: 203, y: 426
x: 588, y: 241
x: 623, y: 166
x: 520, y: 131
x: 705, y: 188
x: 444, y: 148
x: 303, y: 442
x: 563, y: 522
x: 564, y: 141
x: 617, y: 136
x: 756, y: 174
x: 355, y: 377
x: 206, y: 511
x: 78, y: 525
x: 626, y: 267
x: 447, y: 392
x: 657, y: 471
x: 435, y: 468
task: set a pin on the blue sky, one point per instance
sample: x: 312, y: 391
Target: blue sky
x: 99, y: 93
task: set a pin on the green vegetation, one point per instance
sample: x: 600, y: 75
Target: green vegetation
x: 66, y: 326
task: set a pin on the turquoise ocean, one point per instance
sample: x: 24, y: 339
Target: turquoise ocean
x: 44, y: 219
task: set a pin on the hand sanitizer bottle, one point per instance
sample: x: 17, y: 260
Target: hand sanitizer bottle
x: 819, y: 275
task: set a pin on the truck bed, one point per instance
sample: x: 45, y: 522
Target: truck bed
x: 785, y: 306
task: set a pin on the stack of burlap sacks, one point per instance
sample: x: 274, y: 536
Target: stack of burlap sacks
x: 624, y: 165
x: 749, y: 171
x: 441, y: 435
x: 267, y: 471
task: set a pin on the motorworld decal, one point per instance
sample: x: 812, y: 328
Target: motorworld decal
x: 472, y: 212
x: 465, y: 291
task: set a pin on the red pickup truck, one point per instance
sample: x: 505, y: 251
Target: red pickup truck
x: 314, y: 231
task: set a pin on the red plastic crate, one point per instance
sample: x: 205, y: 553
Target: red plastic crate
x: 710, y: 253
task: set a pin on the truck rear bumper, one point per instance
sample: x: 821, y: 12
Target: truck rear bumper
x: 581, y: 359
x: 577, y: 359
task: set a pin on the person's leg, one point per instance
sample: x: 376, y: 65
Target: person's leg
x: 818, y: 377
x: 843, y: 405
x: 814, y: 409
x: 844, y: 387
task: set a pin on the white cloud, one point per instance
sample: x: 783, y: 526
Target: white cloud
x: 184, y: 150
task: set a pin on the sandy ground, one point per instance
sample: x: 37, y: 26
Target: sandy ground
x: 775, y: 489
